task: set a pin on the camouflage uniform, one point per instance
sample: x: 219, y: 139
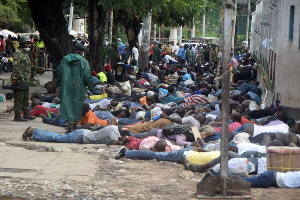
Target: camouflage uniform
x: 34, y: 57
x: 21, y: 72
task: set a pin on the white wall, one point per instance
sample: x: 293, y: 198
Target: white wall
x: 287, y: 66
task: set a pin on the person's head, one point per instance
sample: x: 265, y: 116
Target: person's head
x: 276, y: 142
x: 281, y: 116
x: 294, y: 139
x: 108, y: 68
x: 125, y: 77
x: 233, y: 149
x: 86, y: 108
x: 25, y: 43
x: 171, y: 90
x: 150, y: 95
x: 190, y: 137
x: 124, y: 114
x: 181, y: 111
x: 1, y: 37
x: 173, y: 70
x: 205, y: 92
x: 236, y: 117
x: 186, y: 46
x: 200, y: 118
x: 160, y: 146
x: 35, y: 103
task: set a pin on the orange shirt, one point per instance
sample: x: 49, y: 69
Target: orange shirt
x: 91, y: 118
x: 143, y: 101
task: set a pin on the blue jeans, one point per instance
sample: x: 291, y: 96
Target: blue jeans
x: 264, y: 180
x: 54, y: 121
x: 127, y: 121
x: 48, y: 136
x: 173, y: 156
x: 241, y: 128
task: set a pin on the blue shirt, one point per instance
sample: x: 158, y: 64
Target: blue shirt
x: 172, y: 98
x: 187, y: 76
x: 181, y: 53
x: 122, y: 49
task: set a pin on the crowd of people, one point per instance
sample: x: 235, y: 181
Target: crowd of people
x: 170, y: 111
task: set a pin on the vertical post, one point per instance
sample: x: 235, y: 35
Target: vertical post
x: 71, y: 17
x: 227, y: 37
x: 159, y: 33
x: 154, y: 32
x: 179, y: 35
x: 203, y: 25
x: 145, y: 47
x: 234, y: 25
x: 193, y: 29
x: 111, y: 21
x: 248, y: 22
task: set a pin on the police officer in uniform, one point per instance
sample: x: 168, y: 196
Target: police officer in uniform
x: 20, y: 80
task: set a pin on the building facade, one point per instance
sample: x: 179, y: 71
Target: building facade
x: 275, y: 42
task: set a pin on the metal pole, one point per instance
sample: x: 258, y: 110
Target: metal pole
x: 234, y: 25
x: 248, y: 22
x: 111, y: 21
x: 227, y: 37
x: 71, y: 17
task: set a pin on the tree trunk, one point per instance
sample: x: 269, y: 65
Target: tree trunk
x: 50, y: 22
x: 145, y: 47
x: 132, y: 28
x: 96, y: 21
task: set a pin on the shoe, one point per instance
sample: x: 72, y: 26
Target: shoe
x: 121, y: 153
x: 18, y: 118
x: 188, y: 165
x: 27, y: 116
x: 26, y: 134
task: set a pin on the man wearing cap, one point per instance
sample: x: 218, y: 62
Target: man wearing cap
x: 20, y: 79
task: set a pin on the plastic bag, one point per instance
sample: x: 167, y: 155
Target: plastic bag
x: 237, y: 166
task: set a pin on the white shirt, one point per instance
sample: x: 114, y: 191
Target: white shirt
x: 175, y: 49
x: 279, y: 128
x: 152, y: 78
x: 243, y: 147
x: 135, y: 53
x: 190, y: 121
x: 167, y: 59
x: 288, y: 179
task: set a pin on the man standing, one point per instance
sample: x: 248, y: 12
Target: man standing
x: 74, y: 73
x: 20, y: 80
x: 122, y: 51
x: 34, y: 57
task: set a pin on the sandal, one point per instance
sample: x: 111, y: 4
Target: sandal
x: 26, y: 134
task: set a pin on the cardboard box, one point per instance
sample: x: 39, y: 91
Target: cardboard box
x: 283, y: 159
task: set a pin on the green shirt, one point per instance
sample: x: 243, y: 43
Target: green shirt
x: 21, y: 66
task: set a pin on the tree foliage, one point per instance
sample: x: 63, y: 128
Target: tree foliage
x: 15, y: 15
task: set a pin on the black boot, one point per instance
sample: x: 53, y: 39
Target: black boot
x: 18, y: 118
x: 27, y: 116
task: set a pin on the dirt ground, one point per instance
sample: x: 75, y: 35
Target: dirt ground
x: 32, y: 170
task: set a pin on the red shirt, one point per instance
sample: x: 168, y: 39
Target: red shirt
x: 39, y: 109
x: 133, y: 143
x: 231, y: 127
x: 245, y: 121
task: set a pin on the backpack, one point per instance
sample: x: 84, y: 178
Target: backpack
x: 175, y: 129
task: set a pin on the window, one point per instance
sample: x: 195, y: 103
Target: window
x: 291, y: 29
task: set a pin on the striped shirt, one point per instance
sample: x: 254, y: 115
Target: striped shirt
x: 195, y: 100
x: 172, y: 79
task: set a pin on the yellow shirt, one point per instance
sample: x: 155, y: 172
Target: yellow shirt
x: 102, y: 77
x: 199, y: 158
x: 98, y: 97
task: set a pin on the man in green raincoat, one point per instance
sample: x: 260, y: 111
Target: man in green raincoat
x: 74, y: 73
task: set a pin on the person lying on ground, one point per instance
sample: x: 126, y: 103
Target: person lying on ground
x: 173, y: 156
x: 107, y: 135
x: 89, y: 119
x: 38, y: 110
x: 149, y: 143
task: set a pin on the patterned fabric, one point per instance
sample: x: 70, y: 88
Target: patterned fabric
x: 195, y: 100
x: 21, y: 66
